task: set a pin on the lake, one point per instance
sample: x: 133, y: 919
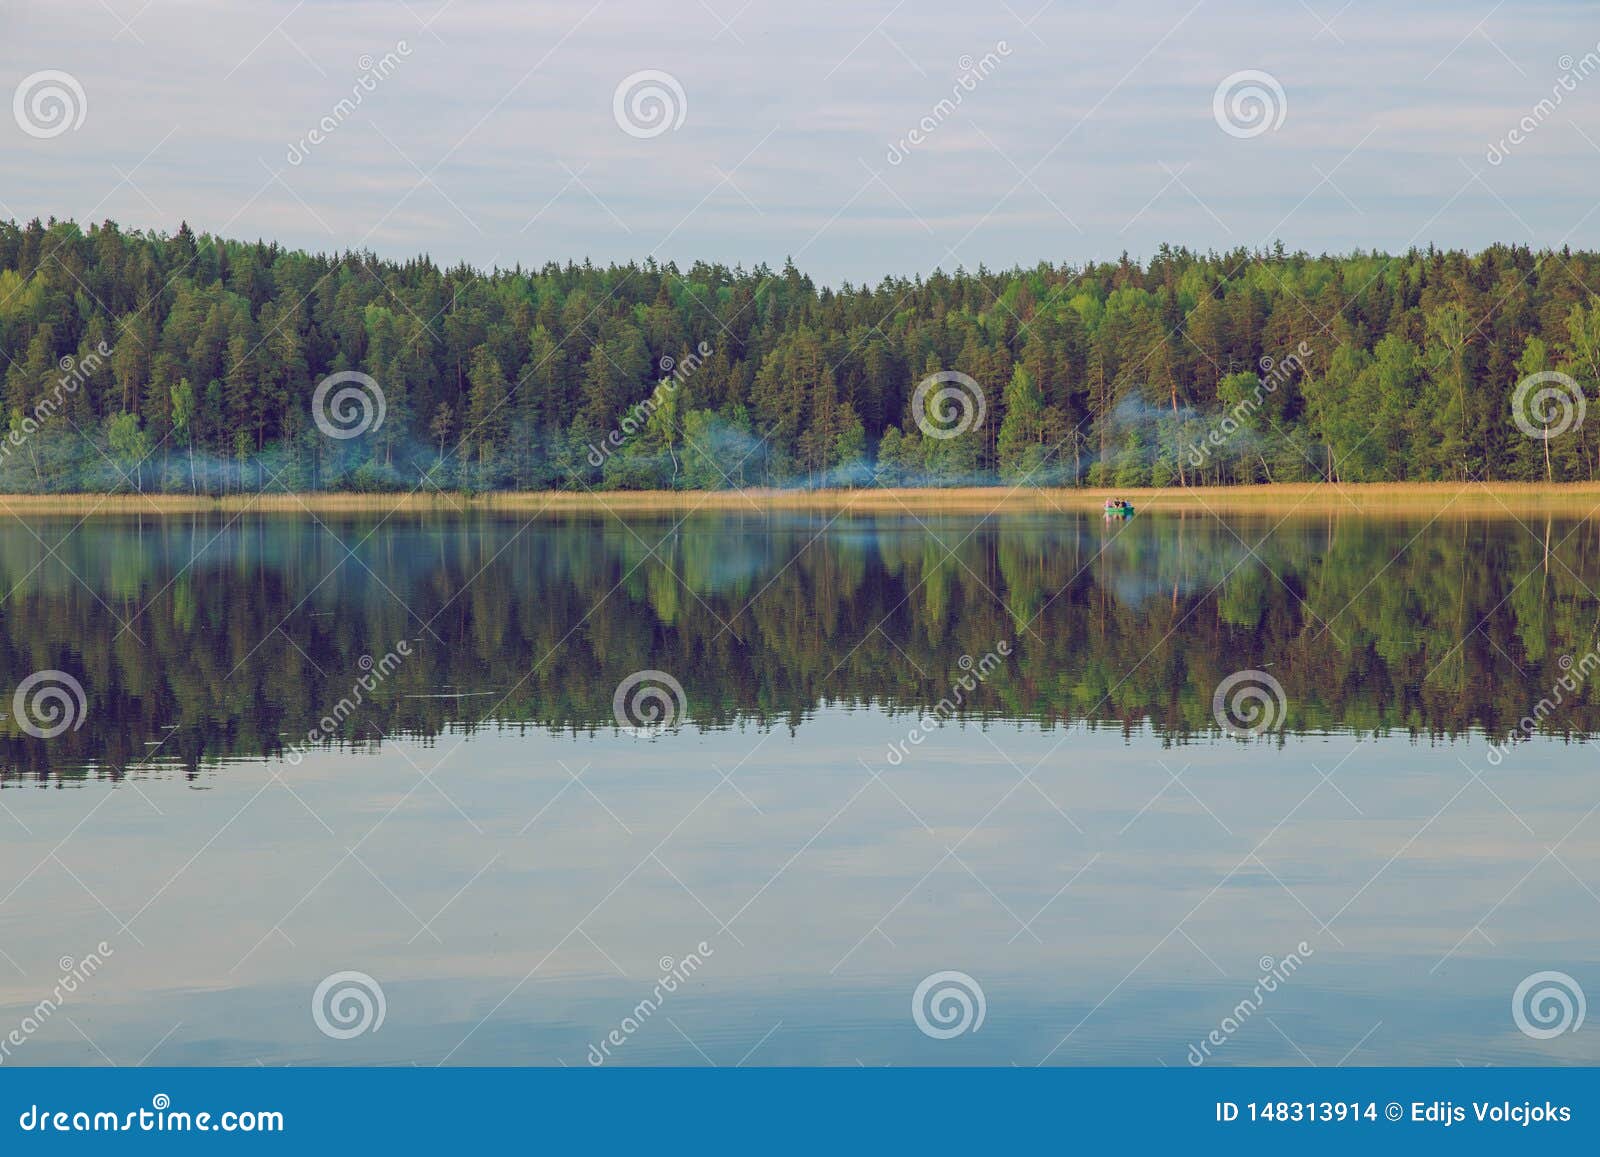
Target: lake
x: 777, y: 788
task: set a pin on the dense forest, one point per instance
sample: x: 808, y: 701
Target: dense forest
x: 203, y: 639
x: 140, y: 361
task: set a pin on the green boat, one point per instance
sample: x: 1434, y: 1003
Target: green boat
x: 1118, y: 508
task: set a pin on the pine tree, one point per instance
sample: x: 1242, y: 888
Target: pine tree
x: 1022, y: 446
x: 487, y: 417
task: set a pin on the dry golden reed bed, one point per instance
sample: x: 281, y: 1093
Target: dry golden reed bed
x: 1443, y: 499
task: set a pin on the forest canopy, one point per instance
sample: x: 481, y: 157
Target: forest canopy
x: 189, y: 363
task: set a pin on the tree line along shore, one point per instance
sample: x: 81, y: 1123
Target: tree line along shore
x: 187, y: 364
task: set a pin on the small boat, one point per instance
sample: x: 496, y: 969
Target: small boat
x: 1118, y: 508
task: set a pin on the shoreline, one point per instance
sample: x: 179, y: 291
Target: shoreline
x: 1440, y: 499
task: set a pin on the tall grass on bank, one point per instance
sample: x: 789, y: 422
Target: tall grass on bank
x: 1441, y: 499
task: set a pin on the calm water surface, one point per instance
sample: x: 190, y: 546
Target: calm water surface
x: 902, y: 746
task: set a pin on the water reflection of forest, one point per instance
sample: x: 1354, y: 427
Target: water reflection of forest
x: 196, y: 639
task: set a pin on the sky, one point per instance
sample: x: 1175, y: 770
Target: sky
x: 861, y: 139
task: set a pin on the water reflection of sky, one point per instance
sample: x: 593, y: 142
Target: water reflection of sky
x: 1114, y: 903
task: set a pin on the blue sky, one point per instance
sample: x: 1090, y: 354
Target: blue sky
x: 494, y: 136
